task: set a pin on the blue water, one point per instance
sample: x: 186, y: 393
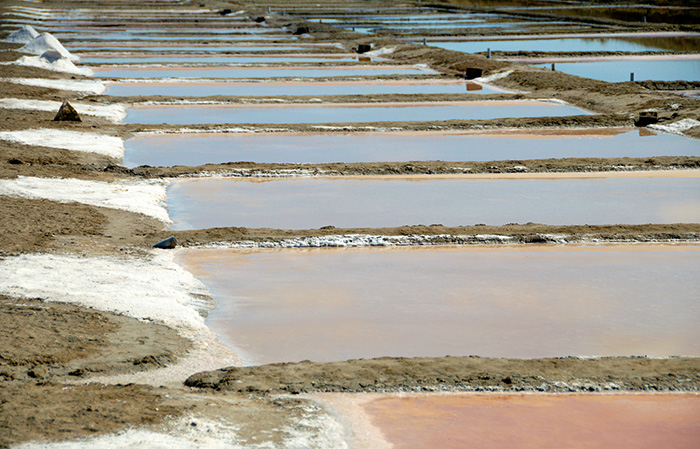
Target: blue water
x: 210, y: 60
x: 190, y: 115
x: 619, y: 71
x: 270, y: 89
x: 556, y: 45
x: 199, y: 49
x: 199, y: 149
x: 259, y: 73
x: 309, y: 203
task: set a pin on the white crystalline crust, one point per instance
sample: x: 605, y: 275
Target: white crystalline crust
x: 85, y: 86
x: 46, y: 42
x: 24, y: 35
x: 113, y: 112
x: 677, y: 127
x: 67, y: 140
x: 146, y: 198
x: 62, y: 65
x: 152, y: 290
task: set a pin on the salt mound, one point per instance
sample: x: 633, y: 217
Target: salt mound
x: 24, y: 35
x: 46, y: 42
x: 53, y: 60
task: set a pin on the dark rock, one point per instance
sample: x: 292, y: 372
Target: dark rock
x: 473, y: 72
x: 15, y: 162
x: 646, y: 118
x: 301, y: 30
x: 168, y: 243
x: 67, y: 113
x: 259, y: 19
x: 223, y: 12
x: 364, y: 48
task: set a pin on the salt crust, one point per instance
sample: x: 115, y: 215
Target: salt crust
x: 59, y: 65
x: 24, y: 35
x: 145, y: 197
x: 677, y: 127
x: 494, y: 77
x: 85, y: 86
x: 313, y: 430
x: 67, y: 140
x: 149, y: 290
x: 46, y: 42
x: 113, y: 112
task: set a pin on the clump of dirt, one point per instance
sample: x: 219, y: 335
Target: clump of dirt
x: 459, y: 374
x: 31, y: 412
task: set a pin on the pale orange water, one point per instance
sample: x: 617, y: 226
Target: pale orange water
x: 538, y: 421
x: 337, y: 304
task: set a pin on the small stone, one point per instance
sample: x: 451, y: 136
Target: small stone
x: 38, y: 372
x: 67, y: 113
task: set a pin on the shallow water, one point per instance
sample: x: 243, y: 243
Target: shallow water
x: 277, y: 72
x: 562, y: 45
x: 293, y: 88
x: 338, y: 304
x: 309, y: 203
x: 199, y: 149
x: 161, y: 59
x: 619, y: 71
x: 177, y: 48
x: 183, y: 115
x: 640, y: 421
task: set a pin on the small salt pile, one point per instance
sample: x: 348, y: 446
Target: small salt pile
x: 24, y: 35
x: 53, y: 60
x: 46, y: 42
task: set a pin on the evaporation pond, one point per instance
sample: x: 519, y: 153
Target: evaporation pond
x: 329, y: 304
x: 496, y: 421
x: 260, y: 89
x: 310, y: 203
x: 568, y: 44
x: 241, y: 72
x: 231, y: 59
x: 345, y: 113
x: 199, y: 149
x: 619, y: 71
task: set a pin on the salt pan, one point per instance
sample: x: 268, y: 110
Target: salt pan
x: 113, y: 112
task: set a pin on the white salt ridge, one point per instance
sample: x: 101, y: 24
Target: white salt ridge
x: 46, y: 42
x: 676, y: 127
x: 57, y: 65
x: 24, y: 35
x: 112, y: 112
x: 364, y: 240
x: 494, y: 77
x: 379, y: 52
x: 68, y: 140
x: 85, y: 86
x: 148, y: 290
x: 36, y: 12
x: 146, y: 197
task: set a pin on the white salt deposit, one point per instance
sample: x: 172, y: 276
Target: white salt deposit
x: 677, y: 127
x: 24, y: 35
x: 46, y: 42
x: 494, y: 77
x: 315, y: 429
x: 47, y: 62
x: 68, y: 140
x: 85, y: 86
x: 146, y: 197
x: 112, y: 112
x: 380, y: 51
x: 149, y: 290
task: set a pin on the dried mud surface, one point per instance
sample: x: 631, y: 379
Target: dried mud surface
x: 50, y: 351
x: 458, y: 374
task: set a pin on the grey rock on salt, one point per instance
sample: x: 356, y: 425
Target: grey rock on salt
x: 67, y: 113
x: 46, y: 42
x: 24, y: 35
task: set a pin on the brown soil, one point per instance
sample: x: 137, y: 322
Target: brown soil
x: 458, y: 374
